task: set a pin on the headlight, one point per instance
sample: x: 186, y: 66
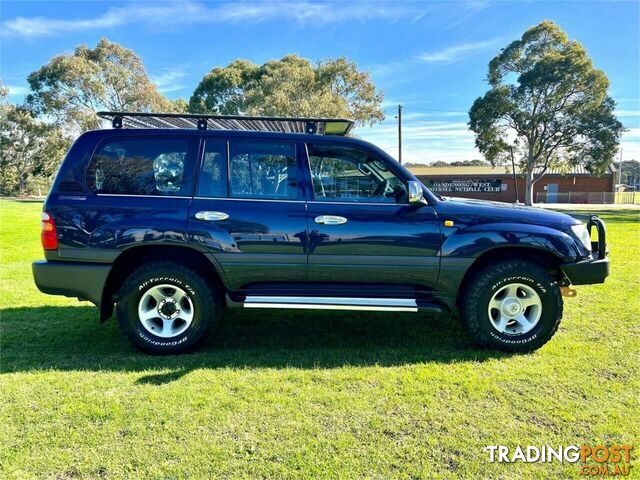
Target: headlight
x: 583, y: 235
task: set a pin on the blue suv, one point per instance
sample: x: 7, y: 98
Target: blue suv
x: 169, y: 218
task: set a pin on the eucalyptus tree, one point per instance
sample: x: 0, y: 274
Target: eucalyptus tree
x: 71, y: 88
x: 548, y: 106
x: 290, y: 86
x: 30, y: 150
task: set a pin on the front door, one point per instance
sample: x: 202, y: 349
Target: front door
x: 249, y: 212
x: 361, y: 227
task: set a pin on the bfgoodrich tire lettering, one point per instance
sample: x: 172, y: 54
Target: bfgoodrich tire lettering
x: 201, y: 296
x: 487, y: 282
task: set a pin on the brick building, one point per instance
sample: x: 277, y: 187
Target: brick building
x: 497, y: 183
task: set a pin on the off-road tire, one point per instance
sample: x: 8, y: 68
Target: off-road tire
x: 486, y: 282
x: 207, y: 303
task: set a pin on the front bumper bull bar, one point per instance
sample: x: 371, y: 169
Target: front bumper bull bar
x: 594, y: 269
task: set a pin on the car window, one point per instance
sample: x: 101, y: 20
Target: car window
x: 263, y: 170
x: 142, y: 166
x: 212, y: 180
x: 347, y: 174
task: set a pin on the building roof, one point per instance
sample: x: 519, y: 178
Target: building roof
x: 430, y: 171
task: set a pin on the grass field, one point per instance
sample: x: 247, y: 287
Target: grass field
x: 308, y: 394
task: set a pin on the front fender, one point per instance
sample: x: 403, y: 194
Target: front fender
x: 463, y: 246
x: 478, y: 239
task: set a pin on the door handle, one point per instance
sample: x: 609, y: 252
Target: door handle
x: 211, y: 216
x: 330, y: 220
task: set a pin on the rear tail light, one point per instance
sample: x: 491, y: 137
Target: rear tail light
x: 49, y: 235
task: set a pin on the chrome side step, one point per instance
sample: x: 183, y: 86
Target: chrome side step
x: 332, y: 303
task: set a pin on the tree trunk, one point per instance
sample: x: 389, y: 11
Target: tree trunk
x: 22, y: 183
x: 528, y: 188
x: 22, y: 179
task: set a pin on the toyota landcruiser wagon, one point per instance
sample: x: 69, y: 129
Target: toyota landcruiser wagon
x: 170, y: 218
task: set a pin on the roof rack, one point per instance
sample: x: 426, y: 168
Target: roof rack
x: 321, y: 126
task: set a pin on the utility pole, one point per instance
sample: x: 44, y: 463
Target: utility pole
x: 620, y: 172
x: 515, y: 177
x: 400, y: 133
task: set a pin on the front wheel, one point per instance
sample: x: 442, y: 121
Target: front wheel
x: 512, y: 305
x: 166, y: 308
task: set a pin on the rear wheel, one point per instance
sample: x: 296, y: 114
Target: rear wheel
x: 513, y: 305
x: 166, y: 308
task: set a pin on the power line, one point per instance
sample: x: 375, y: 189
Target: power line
x: 438, y: 110
x: 421, y: 155
x: 389, y: 109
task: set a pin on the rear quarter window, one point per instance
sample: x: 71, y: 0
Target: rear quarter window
x: 143, y: 166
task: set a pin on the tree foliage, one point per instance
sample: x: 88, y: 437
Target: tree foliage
x: 630, y: 174
x: 457, y: 163
x: 71, y: 88
x: 30, y: 150
x: 461, y: 163
x: 548, y: 105
x: 291, y: 86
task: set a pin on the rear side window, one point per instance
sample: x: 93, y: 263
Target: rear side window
x: 143, y: 166
x: 212, y: 181
x: 263, y: 170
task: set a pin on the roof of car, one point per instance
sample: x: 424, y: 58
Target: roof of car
x: 201, y: 121
x: 249, y: 134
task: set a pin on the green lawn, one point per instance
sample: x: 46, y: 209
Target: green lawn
x: 296, y: 394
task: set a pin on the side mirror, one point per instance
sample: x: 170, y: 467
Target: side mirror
x: 416, y: 194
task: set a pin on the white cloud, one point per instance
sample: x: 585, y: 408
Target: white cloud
x: 16, y: 90
x: 424, y: 140
x: 398, y: 72
x: 630, y: 144
x: 169, y: 81
x: 632, y: 133
x: 627, y: 113
x: 422, y: 129
x: 434, y: 114
x: 470, y: 10
x: 304, y: 13
x: 42, y: 26
x: 457, y: 52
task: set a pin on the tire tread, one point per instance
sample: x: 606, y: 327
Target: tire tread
x: 211, y: 304
x: 482, y: 280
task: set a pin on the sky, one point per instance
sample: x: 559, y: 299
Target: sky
x: 431, y: 57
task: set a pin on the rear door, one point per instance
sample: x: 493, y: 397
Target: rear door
x: 248, y: 210
x: 361, y: 226
x: 139, y: 187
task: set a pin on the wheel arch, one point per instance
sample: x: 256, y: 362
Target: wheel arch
x: 134, y: 257
x: 540, y: 256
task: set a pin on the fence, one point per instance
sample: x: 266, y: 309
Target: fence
x: 589, y: 197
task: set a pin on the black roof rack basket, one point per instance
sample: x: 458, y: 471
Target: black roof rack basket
x: 321, y: 126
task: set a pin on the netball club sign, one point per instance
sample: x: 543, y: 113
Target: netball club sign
x: 467, y: 185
